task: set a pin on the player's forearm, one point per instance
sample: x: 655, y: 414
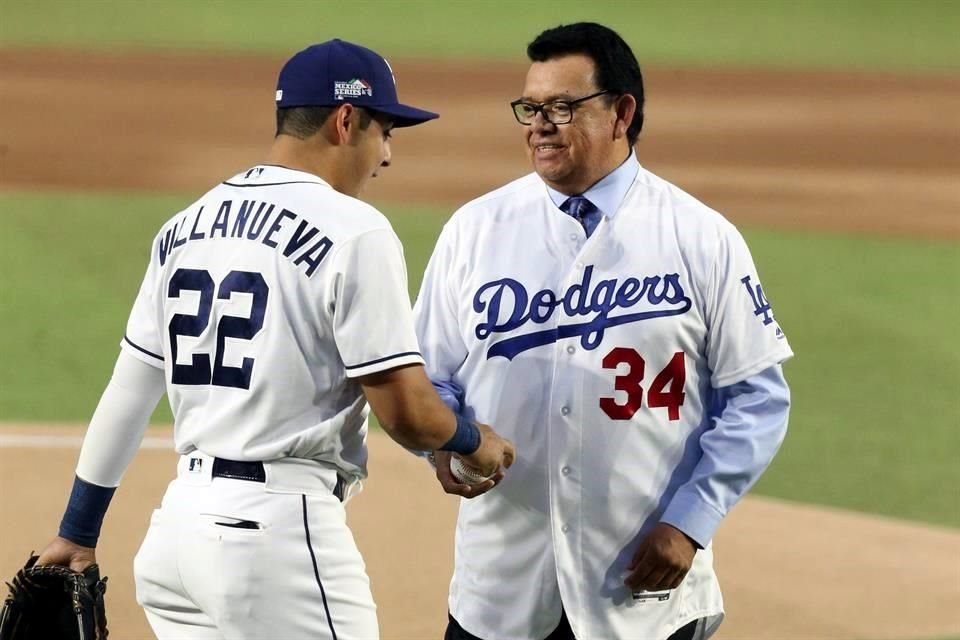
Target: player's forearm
x: 112, y: 439
x: 120, y: 420
x: 409, y: 409
x: 85, y: 511
x: 465, y: 437
x: 426, y: 430
x: 736, y: 451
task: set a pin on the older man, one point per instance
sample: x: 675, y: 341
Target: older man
x: 616, y: 329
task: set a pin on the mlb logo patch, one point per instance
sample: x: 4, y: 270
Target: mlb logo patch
x: 196, y: 465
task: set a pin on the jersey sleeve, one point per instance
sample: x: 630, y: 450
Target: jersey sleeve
x: 743, y: 336
x: 435, y: 313
x: 120, y: 420
x: 372, y: 320
x: 143, y: 339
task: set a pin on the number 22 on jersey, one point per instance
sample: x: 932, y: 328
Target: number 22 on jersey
x: 200, y: 371
x: 674, y: 376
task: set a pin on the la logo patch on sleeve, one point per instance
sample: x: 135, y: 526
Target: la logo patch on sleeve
x: 761, y: 307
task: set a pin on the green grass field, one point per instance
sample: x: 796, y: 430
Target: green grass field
x: 874, y: 34
x: 872, y: 322
x: 877, y: 373
x: 875, y: 378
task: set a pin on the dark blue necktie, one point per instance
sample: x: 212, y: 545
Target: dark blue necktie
x: 583, y: 211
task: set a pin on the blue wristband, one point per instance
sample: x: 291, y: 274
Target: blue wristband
x: 84, y: 515
x: 465, y: 440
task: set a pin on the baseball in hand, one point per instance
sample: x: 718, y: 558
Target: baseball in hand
x: 464, y: 473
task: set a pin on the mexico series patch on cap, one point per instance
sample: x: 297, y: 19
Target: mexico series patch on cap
x: 353, y: 89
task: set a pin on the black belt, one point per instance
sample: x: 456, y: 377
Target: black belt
x: 236, y: 470
x: 254, y: 472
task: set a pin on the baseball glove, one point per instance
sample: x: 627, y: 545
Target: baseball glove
x: 50, y: 601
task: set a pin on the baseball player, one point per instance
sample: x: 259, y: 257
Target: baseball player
x: 273, y: 308
x: 616, y: 329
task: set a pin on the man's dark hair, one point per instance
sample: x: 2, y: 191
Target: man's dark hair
x: 303, y: 122
x: 617, y: 69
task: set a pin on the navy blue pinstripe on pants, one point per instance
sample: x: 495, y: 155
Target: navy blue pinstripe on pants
x: 316, y: 569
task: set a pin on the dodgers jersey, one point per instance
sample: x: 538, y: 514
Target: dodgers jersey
x: 263, y: 302
x: 597, y: 357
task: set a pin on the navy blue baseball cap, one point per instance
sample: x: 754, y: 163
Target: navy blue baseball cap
x: 334, y: 72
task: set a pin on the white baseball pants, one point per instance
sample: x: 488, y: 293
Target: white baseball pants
x: 290, y: 570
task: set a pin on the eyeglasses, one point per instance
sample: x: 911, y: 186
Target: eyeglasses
x: 554, y: 112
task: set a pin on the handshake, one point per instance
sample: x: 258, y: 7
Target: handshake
x: 414, y: 415
x: 470, y: 475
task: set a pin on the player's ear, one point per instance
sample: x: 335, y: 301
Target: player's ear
x: 626, y: 106
x: 345, y: 120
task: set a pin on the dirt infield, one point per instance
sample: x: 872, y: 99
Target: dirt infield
x: 789, y: 572
x: 852, y: 152
x: 813, y: 150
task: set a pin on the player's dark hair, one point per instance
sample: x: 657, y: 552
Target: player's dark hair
x: 303, y: 122
x: 617, y: 69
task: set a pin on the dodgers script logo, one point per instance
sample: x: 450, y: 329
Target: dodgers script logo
x: 508, y: 306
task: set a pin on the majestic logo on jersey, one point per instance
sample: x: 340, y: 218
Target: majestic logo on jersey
x: 508, y: 306
x: 353, y: 89
x: 644, y: 596
x: 760, y: 305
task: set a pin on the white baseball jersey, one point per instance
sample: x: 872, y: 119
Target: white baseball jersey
x: 263, y: 302
x: 596, y: 356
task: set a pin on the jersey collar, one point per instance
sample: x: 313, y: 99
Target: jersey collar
x: 276, y: 174
x: 609, y: 192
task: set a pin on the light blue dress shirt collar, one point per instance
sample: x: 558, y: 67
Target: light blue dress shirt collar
x: 609, y: 192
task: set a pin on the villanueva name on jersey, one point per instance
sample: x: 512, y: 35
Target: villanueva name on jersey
x: 508, y: 306
x: 254, y: 221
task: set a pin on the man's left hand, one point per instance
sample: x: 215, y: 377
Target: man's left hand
x: 62, y: 552
x: 441, y: 461
x: 662, y: 560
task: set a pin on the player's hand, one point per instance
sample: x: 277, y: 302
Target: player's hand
x: 62, y: 552
x: 450, y: 484
x: 661, y: 561
x: 493, y: 454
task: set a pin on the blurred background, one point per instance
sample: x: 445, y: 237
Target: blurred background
x: 828, y: 131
